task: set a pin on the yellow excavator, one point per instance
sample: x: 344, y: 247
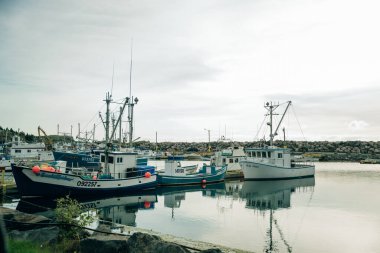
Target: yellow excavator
x: 48, y: 142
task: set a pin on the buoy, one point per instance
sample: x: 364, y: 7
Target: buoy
x: 94, y: 177
x: 147, y: 174
x: 203, y: 181
x: 146, y: 204
x: 36, y: 169
x: 51, y: 169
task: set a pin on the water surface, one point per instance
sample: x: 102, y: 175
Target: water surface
x: 336, y: 211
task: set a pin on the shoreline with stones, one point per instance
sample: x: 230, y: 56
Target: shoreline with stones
x: 36, y: 228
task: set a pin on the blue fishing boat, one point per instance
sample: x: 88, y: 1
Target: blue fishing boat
x: 176, y: 175
x: 118, y: 172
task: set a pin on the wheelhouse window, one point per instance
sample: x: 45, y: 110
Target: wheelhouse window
x: 249, y: 154
x: 110, y: 159
x: 264, y: 154
x: 279, y: 155
x: 258, y: 154
x: 236, y: 160
x: 254, y: 154
x: 102, y: 158
x: 224, y: 160
x: 269, y: 154
x: 18, y: 151
x: 231, y: 160
x: 119, y: 160
x: 29, y: 151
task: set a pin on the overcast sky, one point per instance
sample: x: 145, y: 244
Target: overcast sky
x: 197, y: 65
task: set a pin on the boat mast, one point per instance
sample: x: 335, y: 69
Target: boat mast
x: 107, y: 126
x: 131, y: 103
x: 283, y: 115
x: 271, y: 107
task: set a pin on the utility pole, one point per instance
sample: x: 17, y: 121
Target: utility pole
x: 209, y: 146
x: 156, y: 142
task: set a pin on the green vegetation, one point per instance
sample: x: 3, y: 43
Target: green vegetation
x: 70, y: 213
x: 16, y: 246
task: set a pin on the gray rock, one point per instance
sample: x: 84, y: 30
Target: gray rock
x: 104, y: 244
x: 145, y: 243
x: 45, y: 235
x: 21, y: 221
x: 211, y: 251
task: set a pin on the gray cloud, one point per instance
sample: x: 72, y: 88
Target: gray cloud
x: 196, y: 64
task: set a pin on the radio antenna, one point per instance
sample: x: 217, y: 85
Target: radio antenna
x: 113, y: 73
x: 130, y: 72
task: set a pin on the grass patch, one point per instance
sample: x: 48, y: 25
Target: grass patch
x: 17, y: 246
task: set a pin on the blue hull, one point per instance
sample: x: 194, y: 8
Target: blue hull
x: 27, y: 187
x: 191, y: 179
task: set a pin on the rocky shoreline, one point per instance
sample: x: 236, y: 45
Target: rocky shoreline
x: 41, y: 230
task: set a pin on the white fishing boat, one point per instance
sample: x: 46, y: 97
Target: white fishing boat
x: 271, y: 162
x: 21, y: 150
x: 229, y: 157
x: 5, y: 163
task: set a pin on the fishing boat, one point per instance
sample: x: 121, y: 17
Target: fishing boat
x: 5, y: 163
x: 119, y: 172
x: 271, y: 162
x: 230, y: 157
x: 174, y: 174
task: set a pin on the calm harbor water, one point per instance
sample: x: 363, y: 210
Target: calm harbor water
x: 337, y: 211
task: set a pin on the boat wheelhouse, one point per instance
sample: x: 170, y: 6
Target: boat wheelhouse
x: 229, y: 157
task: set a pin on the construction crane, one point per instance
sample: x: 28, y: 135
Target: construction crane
x: 48, y: 142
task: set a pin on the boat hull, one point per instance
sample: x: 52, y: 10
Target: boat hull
x: 199, y: 178
x: 47, y: 183
x: 258, y: 171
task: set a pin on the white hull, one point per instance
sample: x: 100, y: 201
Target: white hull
x: 254, y: 170
x: 234, y: 167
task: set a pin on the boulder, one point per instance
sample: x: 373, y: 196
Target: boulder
x: 211, y: 251
x: 14, y: 219
x: 45, y: 235
x: 145, y: 243
x: 104, y: 244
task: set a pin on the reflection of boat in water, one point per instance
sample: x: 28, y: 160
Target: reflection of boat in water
x: 118, y: 209
x: 174, y: 195
x: 265, y: 195
x: 270, y: 196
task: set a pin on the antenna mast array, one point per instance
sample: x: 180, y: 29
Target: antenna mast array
x: 271, y: 107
